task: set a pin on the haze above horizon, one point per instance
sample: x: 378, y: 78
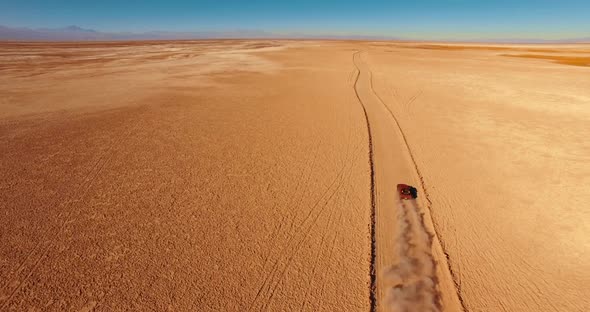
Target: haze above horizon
x: 421, y: 19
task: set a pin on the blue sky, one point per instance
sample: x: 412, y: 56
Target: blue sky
x: 419, y: 19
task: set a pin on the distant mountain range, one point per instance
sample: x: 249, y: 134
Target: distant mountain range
x: 76, y: 33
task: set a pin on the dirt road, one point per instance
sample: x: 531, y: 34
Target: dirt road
x: 403, y: 283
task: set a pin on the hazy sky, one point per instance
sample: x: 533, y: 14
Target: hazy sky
x: 428, y: 19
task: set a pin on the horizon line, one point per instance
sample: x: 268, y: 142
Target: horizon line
x: 61, y: 35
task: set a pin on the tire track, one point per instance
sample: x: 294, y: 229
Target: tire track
x: 333, y: 243
x: 306, y: 232
x: 348, y: 191
x: 278, y: 228
x: 348, y: 163
x: 331, y: 225
x: 10, y: 282
x: 307, y: 184
x: 315, y: 264
x: 295, y: 242
x: 42, y: 249
x: 373, y: 278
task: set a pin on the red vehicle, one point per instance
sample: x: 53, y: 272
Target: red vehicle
x: 407, y: 191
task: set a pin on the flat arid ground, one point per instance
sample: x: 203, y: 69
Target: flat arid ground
x: 261, y: 176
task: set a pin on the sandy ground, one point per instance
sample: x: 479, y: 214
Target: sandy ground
x: 260, y: 176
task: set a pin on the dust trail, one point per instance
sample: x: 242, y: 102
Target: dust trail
x: 410, y: 282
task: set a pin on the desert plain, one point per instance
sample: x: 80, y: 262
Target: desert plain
x: 260, y: 175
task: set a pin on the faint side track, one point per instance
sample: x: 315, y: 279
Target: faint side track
x: 456, y: 281
x: 44, y: 247
x: 373, y: 277
x: 288, y: 252
x: 47, y: 243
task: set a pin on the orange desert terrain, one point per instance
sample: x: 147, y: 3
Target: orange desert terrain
x: 261, y: 176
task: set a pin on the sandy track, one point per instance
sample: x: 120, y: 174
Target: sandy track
x: 393, y: 164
